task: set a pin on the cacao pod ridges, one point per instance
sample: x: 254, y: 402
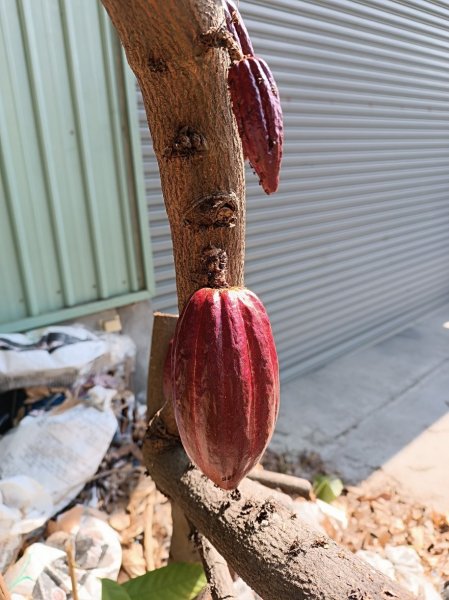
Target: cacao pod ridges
x: 225, y: 382
x: 257, y: 109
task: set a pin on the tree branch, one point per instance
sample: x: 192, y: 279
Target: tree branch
x: 276, y: 553
x: 286, y: 483
x: 163, y: 331
x: 216, y: 569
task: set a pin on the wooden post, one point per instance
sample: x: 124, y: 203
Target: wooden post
x: 181, y: 547
x: 163, y: 331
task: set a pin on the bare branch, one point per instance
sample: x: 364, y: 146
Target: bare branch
x: 286, y: 483
x: 275, y: 552
x: 216, y: 569
x: 163, y: 331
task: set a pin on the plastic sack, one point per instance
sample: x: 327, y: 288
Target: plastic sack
x: 43, y: 571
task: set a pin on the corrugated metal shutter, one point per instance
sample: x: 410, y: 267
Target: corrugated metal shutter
x: 71, y: 185
x: 356, y: 242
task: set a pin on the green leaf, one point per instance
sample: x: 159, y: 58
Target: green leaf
x: 327, y: 488
x: 111, y: 590
x: 177, y: 581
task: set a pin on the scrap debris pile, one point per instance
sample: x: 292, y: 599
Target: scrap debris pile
x: 70, y: 454
x: 74, y: 493
x: 131, y: 504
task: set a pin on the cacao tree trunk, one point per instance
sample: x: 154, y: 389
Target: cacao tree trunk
x: 183, y: 83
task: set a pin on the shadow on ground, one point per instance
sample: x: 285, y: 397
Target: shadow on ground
x: 385, y: 407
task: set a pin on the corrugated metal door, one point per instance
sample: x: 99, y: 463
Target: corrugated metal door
x: 356, y: 242
x: 73, y: 224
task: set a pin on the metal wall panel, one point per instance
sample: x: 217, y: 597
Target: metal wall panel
x: 356, y: 242
x: 68, y: 205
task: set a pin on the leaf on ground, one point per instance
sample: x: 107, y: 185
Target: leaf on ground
x: 327, y: 488
x: 111, y: 590
x: 177, y: 581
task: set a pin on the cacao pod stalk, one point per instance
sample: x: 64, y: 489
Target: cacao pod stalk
x: 237, y: 28
x: 225, y: 382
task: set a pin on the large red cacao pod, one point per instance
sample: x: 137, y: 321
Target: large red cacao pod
x: 237, y: 28
x: 225, y: 382
x: 258, y: 112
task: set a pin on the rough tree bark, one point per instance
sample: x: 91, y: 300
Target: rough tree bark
x: 276, y: 553
x: 183, y: 83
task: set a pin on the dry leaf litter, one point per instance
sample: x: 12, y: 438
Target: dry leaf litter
x: 361, y: 519
x: 379, y: 518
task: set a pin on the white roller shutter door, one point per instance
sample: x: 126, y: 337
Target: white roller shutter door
x: 355, y: 243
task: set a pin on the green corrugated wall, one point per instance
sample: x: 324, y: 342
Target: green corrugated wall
x: 73, y: 228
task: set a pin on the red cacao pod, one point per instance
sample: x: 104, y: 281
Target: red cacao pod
x: 225, y: 382
x: 237, y: 28
x: 258, y: 112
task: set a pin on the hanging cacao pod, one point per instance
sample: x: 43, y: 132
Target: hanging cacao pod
x: 225, y: 382
x: 258, y: 112
x: 237, y: 28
